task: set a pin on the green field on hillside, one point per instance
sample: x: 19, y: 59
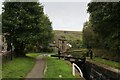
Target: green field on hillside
x: 69, y: 35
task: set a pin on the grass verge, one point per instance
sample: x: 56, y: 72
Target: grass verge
x: 32, y: 55
x: 58, y: 68
x: 18, y: 67
x: 107, y: 62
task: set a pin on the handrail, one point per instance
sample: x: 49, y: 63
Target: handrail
x: 73, y: 69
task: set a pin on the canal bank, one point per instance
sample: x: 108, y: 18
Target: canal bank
x: 96, y: 71
x: 93, y: 70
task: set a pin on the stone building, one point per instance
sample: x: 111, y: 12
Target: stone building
x: 0, y: 43
x: 3, y: 44
x: 60, y: 43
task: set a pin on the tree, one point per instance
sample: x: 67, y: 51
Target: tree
x: 105, y: 17
x: 25, y: 23
x: 88, y: 35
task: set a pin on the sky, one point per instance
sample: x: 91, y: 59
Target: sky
x: 67, y: 15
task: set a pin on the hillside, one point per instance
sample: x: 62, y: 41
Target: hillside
x: 69, y: 35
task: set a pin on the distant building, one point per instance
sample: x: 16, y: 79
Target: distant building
x: 61, y: 43
x: 0, y: 43
x: 66, y: 32
x: 3, y: 44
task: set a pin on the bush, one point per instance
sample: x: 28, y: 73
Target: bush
x: 78, y: 53
x: 106, y: 54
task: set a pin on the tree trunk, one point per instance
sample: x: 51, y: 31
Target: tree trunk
x: 19, y: 50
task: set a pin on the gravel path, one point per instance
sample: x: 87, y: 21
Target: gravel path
x: 38, y: 69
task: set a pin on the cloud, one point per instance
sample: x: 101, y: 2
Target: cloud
x: 66, y: 15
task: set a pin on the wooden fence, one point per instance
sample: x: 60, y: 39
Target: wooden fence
x: 6, y: 56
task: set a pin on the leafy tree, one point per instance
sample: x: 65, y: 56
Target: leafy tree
x: 88, y: 35
x: 25, y: 24
x: 76, y: 44
x: 105, y: 17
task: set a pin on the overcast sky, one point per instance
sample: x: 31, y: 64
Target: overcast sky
x: 66, y: 15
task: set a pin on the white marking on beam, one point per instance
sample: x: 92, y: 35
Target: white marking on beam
x: 73, y: 70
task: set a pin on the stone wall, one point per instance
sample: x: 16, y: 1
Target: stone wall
x: 96, y: 71
x: 0, y: 42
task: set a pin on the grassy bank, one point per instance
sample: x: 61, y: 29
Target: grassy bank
x: 107, y: 54
x: 19, y: 67
x: 107, y: 62
x: 69, y: 35
x: 58, y: 68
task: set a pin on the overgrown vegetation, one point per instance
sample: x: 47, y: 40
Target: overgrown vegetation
x: 107, y: 62
x: 18, y: 67
x: 105, y: 54
x: 102, y: 31
x: 72, y: 37
x: 79, y: 53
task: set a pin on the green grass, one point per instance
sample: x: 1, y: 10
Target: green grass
x: 70, y: 35
x: 107, y: 54
x: 19, y: 67
x: 32, y: 55
x: 57, y: 67
x: 107, y: 62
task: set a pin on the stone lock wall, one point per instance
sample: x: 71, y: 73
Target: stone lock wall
x: 95, y: 71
